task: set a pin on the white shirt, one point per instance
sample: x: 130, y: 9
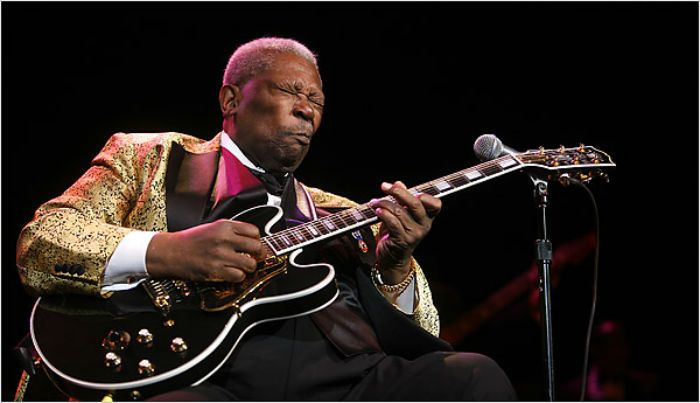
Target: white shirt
x: 127, y: 266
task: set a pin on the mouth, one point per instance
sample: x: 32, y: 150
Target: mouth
x: 302, y: 138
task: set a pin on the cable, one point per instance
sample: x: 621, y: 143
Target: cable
x: 584, y: 377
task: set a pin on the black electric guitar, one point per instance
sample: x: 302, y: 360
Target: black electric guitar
x: 168, y: 334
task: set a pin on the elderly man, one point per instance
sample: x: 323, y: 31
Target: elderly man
x: 157, y: 206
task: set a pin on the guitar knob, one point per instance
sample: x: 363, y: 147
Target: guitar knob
x: 178, y: 345
x: 116, y: 340
x: 565, y: 179
x: 145, y: 336
x: 146, y: 368
x: 112, y: 360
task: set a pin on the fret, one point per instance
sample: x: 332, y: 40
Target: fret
x: 298, y: 235
x: 368, y: 212
x: 277, y: 241
x: 422, y: 188
x: 320, y: 227
x: 357, y: 215
x: 473, y: 174
x: 310, y: 227
x: 491, y: 169
x: 459, y: 181
x: 337, y: 222
x: 285, y: 239
x: 277, y: 245
x: 304, y: 229
x: 329, y: 223
x: 346, y: 219
x: 287, y: 236
x: 442, y: 185
x: 308, y: 232
x: 267, y: 242
x: 429, y: 189
x: 507, y: 162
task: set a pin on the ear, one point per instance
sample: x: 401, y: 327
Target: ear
x: 229, y: 99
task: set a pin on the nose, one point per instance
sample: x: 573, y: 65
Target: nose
x: 303, y: 109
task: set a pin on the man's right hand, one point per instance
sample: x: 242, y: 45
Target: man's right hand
x: 214, y: 251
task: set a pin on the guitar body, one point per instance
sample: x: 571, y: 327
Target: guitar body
x: 62, y: 325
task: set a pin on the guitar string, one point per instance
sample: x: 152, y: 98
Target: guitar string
x: 455, y: 180
x: 340, y: 220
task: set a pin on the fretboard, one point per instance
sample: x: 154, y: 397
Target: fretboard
x: 290, y: 239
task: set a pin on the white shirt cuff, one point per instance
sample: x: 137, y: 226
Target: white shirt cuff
x: 405, y: 300
x: 127, y: 266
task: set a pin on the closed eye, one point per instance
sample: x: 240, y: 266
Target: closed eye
x: 287, y: 91
x: 317, y: 101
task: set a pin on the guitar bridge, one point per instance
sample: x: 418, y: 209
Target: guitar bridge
x: 215, y: 296
x: 220, y: 296
x: 166, y: 293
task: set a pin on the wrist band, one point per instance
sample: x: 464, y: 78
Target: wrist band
x: 394, y: 288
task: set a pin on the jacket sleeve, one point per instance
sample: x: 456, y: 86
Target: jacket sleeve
x: 65, y: 248
x: 425, y: 314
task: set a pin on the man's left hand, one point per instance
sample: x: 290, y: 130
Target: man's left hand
x: 404, y: 223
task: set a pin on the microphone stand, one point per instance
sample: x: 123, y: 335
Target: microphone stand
x: 543, y: 255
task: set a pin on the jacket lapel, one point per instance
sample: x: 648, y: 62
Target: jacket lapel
x: 188, y: 182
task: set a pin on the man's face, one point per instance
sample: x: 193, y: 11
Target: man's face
x: 279, y: 111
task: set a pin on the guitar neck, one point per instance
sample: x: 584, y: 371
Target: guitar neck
x: 291, y: 239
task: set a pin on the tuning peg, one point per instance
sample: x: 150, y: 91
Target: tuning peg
x: 541, y: 150
x: 603, y: 176
x: 562, y: 149
x: 581, y: 148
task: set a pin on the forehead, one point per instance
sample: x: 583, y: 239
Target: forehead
x: 288, y: 66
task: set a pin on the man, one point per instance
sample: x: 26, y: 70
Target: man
x: 156, y: 206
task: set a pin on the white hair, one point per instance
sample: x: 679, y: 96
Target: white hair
x: 257, y: 56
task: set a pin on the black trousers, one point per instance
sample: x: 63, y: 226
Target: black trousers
x: 292, y: 360
x: 432, y: 377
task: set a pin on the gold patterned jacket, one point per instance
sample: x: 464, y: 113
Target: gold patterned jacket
x: 66, y: 246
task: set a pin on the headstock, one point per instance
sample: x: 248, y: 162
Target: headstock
x: 583, y: 162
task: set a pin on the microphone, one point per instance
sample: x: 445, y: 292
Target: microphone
x: 488, y: 147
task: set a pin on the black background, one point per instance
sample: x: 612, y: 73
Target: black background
x: 409, y: 86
